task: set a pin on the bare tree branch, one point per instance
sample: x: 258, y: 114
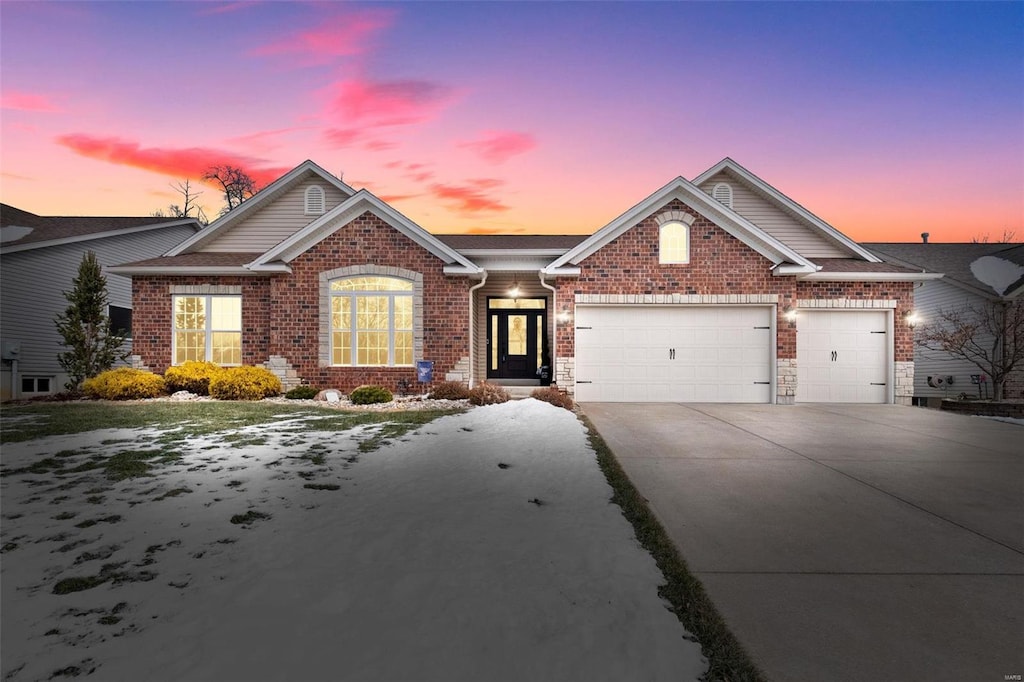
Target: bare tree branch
x: 236, y: 184
x: 965, y: 332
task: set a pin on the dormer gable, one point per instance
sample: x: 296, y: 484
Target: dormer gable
x: 273, y: 214
x: 738, y: 189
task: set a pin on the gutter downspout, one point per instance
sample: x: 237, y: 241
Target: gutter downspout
x: 472, y: 333
x: 554, y: 330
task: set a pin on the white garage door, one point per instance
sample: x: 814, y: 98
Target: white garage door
x: 842, y: 356
x: 673, y: 354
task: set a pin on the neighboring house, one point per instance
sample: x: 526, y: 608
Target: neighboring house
x: 720, y: 289
x: 39, y: 259
x: 975, y: 275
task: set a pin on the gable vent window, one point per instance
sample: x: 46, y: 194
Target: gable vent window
x: 722, y: 193
x: 315, y: 200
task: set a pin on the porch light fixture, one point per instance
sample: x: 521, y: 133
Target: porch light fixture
x: 514, y: 291
x: 564, y: 315
x: 910, y: 318
x: 789, y: 312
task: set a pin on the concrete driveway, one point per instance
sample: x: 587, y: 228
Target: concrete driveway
x: 863, y: 542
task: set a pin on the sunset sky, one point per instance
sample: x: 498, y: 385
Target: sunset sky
x: 884, y: 119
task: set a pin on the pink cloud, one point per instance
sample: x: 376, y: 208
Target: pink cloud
x: 27, y: 101
x: 341, y: 137
x: 392, y: 198
x: 190, y: 162
x: 470, y: 198
x: 343, y: 35
x: 374, y: 104
x: 379, y: 145
x: 498, y: 146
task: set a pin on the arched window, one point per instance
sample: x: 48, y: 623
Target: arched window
x: 315, y: 200
x: 371, y: 321
x: 722, y: 193
x: 674, y: 243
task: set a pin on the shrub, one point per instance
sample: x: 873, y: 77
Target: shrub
x: 192, y: 376
x: 302, y: 393
x: 450, y: 390
x: 244, y: 383
x: 368, y: 395
x: 488, y: 394
x: 124, y: 383
x: 552, y: 395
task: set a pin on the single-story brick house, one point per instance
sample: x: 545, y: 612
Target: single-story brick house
x: 720, y: 289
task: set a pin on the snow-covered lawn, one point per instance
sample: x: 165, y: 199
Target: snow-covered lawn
x: 480, y: 546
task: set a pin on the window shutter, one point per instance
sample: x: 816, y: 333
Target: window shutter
x: 315, y: 200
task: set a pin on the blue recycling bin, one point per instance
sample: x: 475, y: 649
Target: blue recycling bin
x: 424, y: 371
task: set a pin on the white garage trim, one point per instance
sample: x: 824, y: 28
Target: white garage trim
x: 845, y: 355
x: 675, y: 353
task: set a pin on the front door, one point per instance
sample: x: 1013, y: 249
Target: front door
x: 515, y: 339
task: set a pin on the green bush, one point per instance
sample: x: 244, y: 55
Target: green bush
x: 488, y: 394
x: 244, y: 383
x: 302, y: 393
x: 450, y: 390
x: 368, y: 395
x: 550, y: 394
x: 124, y: 383
x: 191, y: 376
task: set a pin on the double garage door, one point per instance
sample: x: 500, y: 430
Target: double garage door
x: 725, y: 354
x: 673, y: 354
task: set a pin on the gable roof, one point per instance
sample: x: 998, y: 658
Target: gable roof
x: 258, y: 201
x: 21, y: 230
x: 955, y: 260
x: 342, y: 214
x: 729, y: 165
x: 680, y: 188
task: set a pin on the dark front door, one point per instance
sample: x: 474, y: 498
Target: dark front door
x: 515, y: 340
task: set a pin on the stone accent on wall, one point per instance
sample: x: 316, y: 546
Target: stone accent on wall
x: 674, y: 216
x: 284, y: 371
x: 687, y: 299
x: 846, y: 303
x: 460, y: 371
x: 565, y: 374
x: 904, y: 389
x: 201, y: 289
x: 785, y: 387
x: 138, y: 363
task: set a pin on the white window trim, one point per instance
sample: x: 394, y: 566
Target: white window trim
x: 391, y: 294
x: 323, y: 200
x: 209, y: 330
x: 661, y: 230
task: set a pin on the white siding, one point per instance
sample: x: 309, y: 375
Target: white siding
x: 928, y: 300
x: 33, y: 283
x: 788, y: 229
x: 276, y: 221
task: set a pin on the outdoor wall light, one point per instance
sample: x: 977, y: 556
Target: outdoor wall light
x: 789, y: 312
x: 564, y: 315
x: 514, y: 291
x: 910, y: 318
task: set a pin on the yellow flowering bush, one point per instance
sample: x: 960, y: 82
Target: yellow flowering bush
x: 244, y: 383
x: 191, y: 376
x: 124, y: 383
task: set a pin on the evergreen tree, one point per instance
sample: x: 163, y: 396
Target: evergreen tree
x: 85, y: 327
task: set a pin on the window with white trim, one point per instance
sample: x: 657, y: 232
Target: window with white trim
x: 207, y: 328
x: 316, y: 203
x: 371, y: 321
x: 722, y: 193
x: 674, y: 243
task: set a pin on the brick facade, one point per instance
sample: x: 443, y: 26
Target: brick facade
x: 281, y: 314
x: 724, y: 269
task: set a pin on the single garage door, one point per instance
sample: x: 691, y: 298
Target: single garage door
x: 842, y: 356
x: 646, y: 353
